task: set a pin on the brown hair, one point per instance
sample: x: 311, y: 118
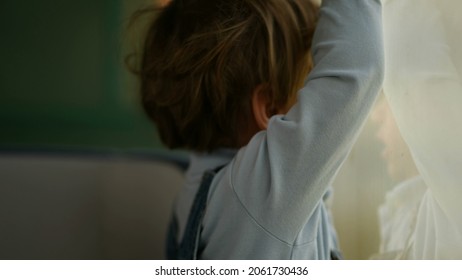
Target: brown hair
x: 202, y: 60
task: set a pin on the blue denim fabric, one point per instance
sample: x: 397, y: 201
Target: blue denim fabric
x: 188, y: 248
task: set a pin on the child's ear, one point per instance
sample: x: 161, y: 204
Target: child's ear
x: 260, y: 107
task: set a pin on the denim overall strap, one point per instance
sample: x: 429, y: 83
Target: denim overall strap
x: 188, y: 248
x: 336, y: 255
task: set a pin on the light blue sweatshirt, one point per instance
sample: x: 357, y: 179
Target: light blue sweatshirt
x: 267, y: 202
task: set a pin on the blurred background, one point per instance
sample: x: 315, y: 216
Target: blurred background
x: 82, y: 172
x: 63, y: 80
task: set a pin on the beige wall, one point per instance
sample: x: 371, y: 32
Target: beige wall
x: 84, y: 207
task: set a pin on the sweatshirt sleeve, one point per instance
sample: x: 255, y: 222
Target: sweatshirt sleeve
x: 282, y: 174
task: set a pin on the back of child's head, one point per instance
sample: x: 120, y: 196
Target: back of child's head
x: 203, y: 59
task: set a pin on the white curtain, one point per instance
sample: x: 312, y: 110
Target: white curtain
x: 423, y: 85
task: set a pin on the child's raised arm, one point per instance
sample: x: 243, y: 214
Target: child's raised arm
x: 299, y: 154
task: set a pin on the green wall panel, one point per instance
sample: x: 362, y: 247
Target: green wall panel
x: 62, y: 77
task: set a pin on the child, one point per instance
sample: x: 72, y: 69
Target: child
x: 226, y: 79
